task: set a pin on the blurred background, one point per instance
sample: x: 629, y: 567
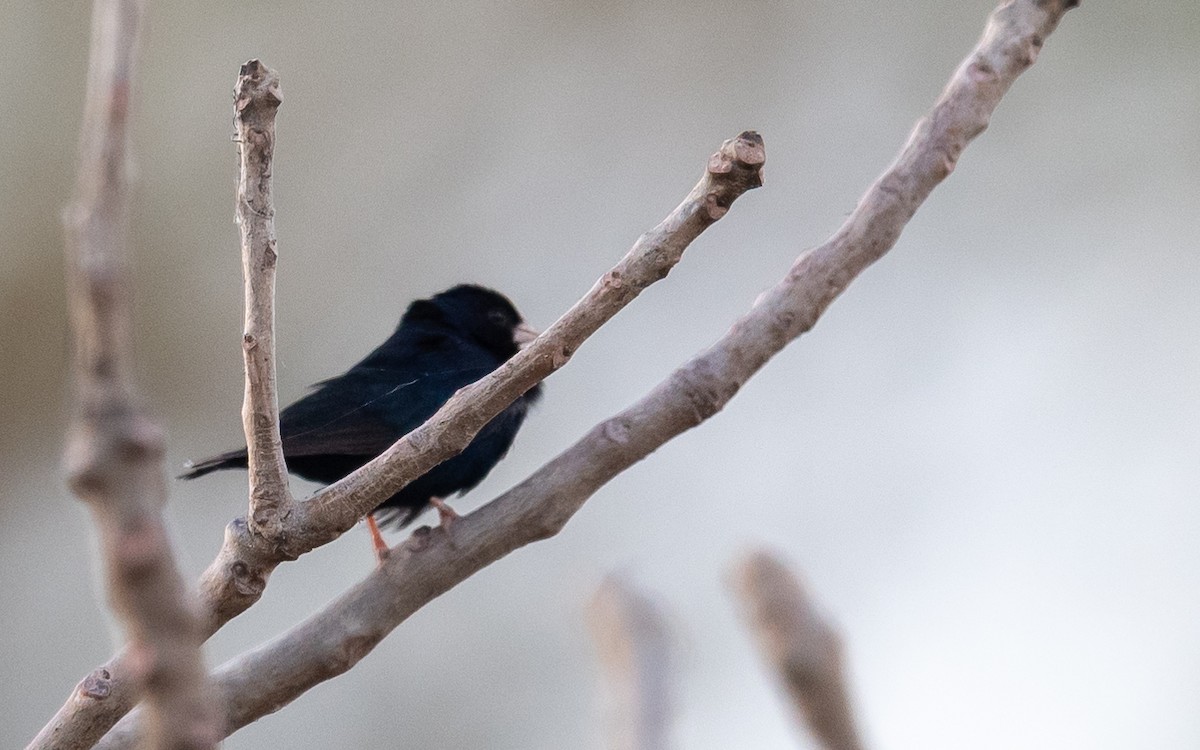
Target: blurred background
x: 984, y: 458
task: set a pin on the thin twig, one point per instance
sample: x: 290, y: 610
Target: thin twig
x: 114, y: 452
x: 635, y: 648
x: 256, y: 98
x: 800, y: 646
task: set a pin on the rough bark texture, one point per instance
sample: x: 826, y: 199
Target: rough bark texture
x: 256, y: 98
x: 634, y: 643
x: 802, y: 648
x: 114, y: 452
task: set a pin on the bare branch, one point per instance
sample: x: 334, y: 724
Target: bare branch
x: 238, y: 576
x: 114, y: 451
x: 803, y: 649
x: 431, y: 562
x: 93, y: 707
x: 634, y: 645
x: 256, y: 99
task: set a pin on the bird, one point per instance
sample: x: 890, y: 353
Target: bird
x: 441, y: 344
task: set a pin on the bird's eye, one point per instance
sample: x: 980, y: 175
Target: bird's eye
x: 497, y: 317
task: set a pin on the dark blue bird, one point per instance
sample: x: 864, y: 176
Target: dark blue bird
x: 442, y: 344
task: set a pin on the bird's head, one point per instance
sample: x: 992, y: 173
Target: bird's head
x: 485, y: 315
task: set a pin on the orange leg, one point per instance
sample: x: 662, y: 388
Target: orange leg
x: 446, y: 514
x: 381, y: 547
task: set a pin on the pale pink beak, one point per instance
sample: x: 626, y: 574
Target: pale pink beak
x: 524, y: 334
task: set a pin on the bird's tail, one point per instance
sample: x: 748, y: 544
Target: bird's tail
x: 397, y: 518
x: 229, y: 460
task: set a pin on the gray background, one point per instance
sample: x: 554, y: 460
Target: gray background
x: 984, y: 458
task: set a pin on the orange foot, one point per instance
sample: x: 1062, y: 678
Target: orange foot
x: 446, y: 514
x: 381, y: 547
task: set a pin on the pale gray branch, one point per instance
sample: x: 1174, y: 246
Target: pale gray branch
x: 634, y: 644
x: 238, y: 576
x: 802, y: 648
x: 430, y: 562
x: 114, y: 452
x: 256, y: 98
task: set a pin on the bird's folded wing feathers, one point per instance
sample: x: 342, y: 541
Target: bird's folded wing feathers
x: 321, y: 424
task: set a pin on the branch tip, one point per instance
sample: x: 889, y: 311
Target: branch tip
x: 258, y: 85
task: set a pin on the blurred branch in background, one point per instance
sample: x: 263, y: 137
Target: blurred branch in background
x: 634, y: 645
x: 431, y: 562
x: 114, y: 452
x: 802, y: 648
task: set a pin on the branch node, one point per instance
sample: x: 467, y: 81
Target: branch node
x: 735, y: 168
x: 749, y: 149
x: 617, y: 430
x: 418, y: 541
x: 97, y: 685
x: 560, y: 357
x: 246, y: 581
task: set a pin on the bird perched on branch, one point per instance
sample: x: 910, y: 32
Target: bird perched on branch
x: 442, y: 344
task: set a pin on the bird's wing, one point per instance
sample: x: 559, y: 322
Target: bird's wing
x: 364, y: 411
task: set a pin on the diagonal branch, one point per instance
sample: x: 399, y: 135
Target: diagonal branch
x: 256, y: 99
x: 734, y: 169
x: 430, y: 562
x: 114, y: 451
x: 801, y: 646
x: 237, y: 577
